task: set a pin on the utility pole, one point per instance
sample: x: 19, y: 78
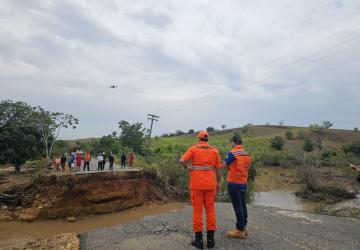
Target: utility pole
x: 152, y: 118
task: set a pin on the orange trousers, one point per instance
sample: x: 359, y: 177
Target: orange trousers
x: 203, y: 198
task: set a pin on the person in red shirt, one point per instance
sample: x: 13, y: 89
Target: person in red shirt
x: 238, y: 162
x: 131, y: 159
x: 87, y: 159
x: 205, y: 179
x: 78, y: 160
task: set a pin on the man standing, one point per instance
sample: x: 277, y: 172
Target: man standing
x: 111, y: 161
x: 100, y: 161
x: 123, y: 160
x: 63, y: 161
x: 104, y: 161
x: 87, y: 159
x: 205, y: 179
x: 238, y: 162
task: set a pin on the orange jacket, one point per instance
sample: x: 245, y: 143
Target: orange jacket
x: 87, y: 157
x: 204, y: 155
x: 239, y: 167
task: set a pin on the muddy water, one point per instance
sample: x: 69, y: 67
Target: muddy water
x: 277, y: 187
x: 288, y: 200
x: 15, y: 232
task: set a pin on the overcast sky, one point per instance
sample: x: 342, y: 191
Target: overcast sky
x: 194, y: 63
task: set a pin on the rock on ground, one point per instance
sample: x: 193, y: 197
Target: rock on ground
x: 66, y: 241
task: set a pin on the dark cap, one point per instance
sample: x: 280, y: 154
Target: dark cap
x: 236, y: 138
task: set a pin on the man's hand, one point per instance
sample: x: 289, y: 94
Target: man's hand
x: 357, y: 168
x: 218, y: 187
x: 185, y: 165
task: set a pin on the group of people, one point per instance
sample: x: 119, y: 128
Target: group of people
x: 205, y: 181
x: 78, y: 159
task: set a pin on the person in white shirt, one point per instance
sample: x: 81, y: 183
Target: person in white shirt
x: 100, y: 161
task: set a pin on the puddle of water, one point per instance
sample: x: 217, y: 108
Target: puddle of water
x: 288, y: 200
x: 280, y: 199
x: 25, y: 231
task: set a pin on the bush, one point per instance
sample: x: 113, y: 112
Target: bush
x: 210, y: 129
x: 308, y: 145
x: 353, y: 148
x: 277, y: 143
x: 179, y: 132
x: 301, y: 135
x: 289, y: 135
x: 274, y: 159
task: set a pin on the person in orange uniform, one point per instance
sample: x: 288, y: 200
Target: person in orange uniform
x: 238, y: 162
x: 205, y: 179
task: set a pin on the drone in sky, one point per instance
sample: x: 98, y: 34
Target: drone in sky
x: 113, y: 86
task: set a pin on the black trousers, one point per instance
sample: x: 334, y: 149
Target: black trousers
x: 100, y: 165
x: 111, y: 165
x: 87, y: 164
x: 123, y: 164
x: 237, y: 197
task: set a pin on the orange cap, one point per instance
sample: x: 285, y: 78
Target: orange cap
x: 203, y: 134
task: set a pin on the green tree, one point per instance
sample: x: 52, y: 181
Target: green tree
x: 308, y: 145
x: 277, y: 143
x: 19, y: 139
x: 106, y: 144
x: 289, y: 135
x: 223, y: 126
x: 356, y: 129
x: 61, y: 147
x: 191, y: 132
x: 327, y: 124
x: 210, y: 129
x: 179, y: 132
x: 50, y: 124
x: 132, y: 135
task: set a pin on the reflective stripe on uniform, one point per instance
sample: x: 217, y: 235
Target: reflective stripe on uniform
x: 240, y: 152
x: 201, y: 168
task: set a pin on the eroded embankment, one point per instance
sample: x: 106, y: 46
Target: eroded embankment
x: 50, y: 197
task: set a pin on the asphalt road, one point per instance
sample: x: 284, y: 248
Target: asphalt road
x: 94, y: 166
x: 269, y: 228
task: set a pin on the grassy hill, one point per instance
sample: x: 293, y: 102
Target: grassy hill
x: 323, y: 172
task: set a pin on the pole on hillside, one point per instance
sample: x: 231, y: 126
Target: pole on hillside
x: 152, y: 118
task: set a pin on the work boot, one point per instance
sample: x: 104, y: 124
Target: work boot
x: 198, y: 241
x: 210, y: 239
x: 237, y: 234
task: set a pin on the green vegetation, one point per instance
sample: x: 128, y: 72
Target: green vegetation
x: 353, y: 148
x: 289, y: 135
x: 308, y: 145
x: 28, y: 133
x: 326, y: 157
x: 277, y: 143
x: 49, y: 125
x: 19, y: 138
